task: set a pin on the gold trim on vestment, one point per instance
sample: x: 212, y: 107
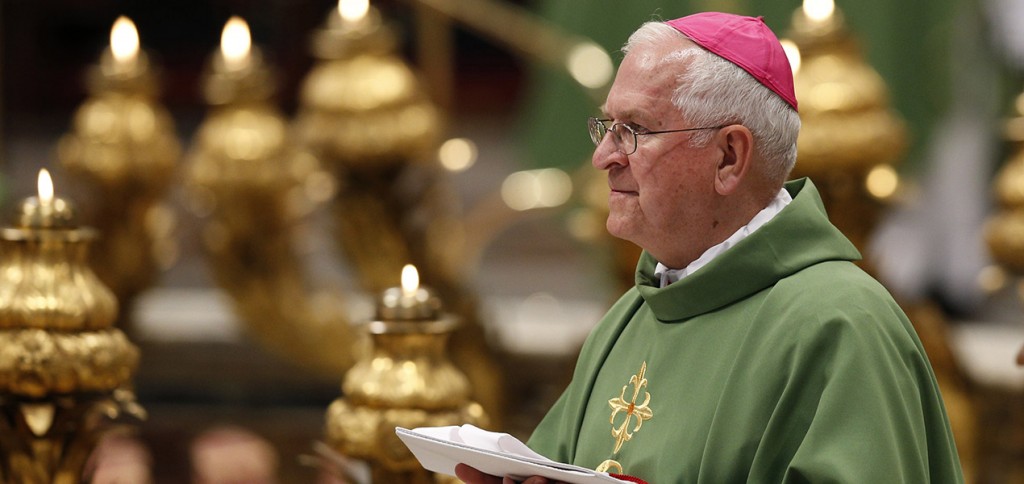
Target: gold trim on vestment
x: 642, y: 412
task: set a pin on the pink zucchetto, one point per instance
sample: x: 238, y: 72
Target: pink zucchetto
x: 746, y: 42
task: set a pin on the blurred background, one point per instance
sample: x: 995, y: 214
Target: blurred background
x: 256, y: 198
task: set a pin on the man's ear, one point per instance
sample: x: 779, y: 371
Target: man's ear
x: 737, y: 144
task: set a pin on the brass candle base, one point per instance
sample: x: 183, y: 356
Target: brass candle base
x: 50, y: 440
x: 405, y: 381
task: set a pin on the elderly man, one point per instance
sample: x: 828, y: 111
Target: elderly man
x: 751, y: 347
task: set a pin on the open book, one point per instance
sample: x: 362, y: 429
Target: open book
x: 439, y: 449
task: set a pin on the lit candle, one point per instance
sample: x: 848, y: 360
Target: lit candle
x: 410, y: 281
x: 123, y: 66
x: 235, y: 44
x: 819, y: 11
x: 410, y: 301
x: 46, y: 211
x: 124, y: 44
x: 352, y: 28
x: 235, y: 73
x: 353, y: 11
x: 817, y: 25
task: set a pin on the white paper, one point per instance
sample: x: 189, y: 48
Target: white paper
x: 439, y: 449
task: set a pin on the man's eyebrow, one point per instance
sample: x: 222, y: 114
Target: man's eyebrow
x: 629, y: 114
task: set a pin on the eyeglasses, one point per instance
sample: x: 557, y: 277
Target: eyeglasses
x: 625, y: 135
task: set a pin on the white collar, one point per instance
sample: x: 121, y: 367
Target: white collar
x: 668, y: 275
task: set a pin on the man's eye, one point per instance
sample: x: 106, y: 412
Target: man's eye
x: 636, y: 128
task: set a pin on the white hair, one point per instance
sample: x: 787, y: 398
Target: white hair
x: 712, y: 91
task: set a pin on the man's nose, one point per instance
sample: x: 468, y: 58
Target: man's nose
x: 608, y: 154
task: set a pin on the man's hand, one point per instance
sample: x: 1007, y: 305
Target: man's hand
x: 470, y: 475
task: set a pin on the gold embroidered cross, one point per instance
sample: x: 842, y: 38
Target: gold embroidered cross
x: 642, y: 411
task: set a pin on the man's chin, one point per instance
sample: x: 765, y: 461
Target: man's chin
x: 619, y: 229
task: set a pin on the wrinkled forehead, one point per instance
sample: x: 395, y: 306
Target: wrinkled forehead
x: 664, y: 52
x: 662, y: 65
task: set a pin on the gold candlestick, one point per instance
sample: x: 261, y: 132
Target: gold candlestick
x: 365, y: 115
x: 257, y: 187
x: 64, y: 370
x: 123, y: 145
x: 406, y: 381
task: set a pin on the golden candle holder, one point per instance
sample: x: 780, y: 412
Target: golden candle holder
x: 123, y: 145
x: 850, y: 139
x: 1004, y: 232
x: 65, y: 371
x: 253, y: 187
x: 365, y: 115
x: 405, y: 381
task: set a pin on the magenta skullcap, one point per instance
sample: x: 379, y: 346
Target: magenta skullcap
x: 746, y: 42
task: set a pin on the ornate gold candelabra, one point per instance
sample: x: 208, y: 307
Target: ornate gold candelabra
x: 254, y: 187
x: 123, y: 145
x: 64, y: 370
x: 405, y: 381
x: 850, y: 139
x: 365, y: 115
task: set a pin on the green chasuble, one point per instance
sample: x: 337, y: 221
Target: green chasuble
x: 780, y: 361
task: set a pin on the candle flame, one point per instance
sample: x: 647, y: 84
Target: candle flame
x: 235, y: 41
x: 124, y: 40
x: 792, y: 53
x: 819, y: 10
x: 45, y: 187
x: 410, y: 279
x: 353, y: 10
